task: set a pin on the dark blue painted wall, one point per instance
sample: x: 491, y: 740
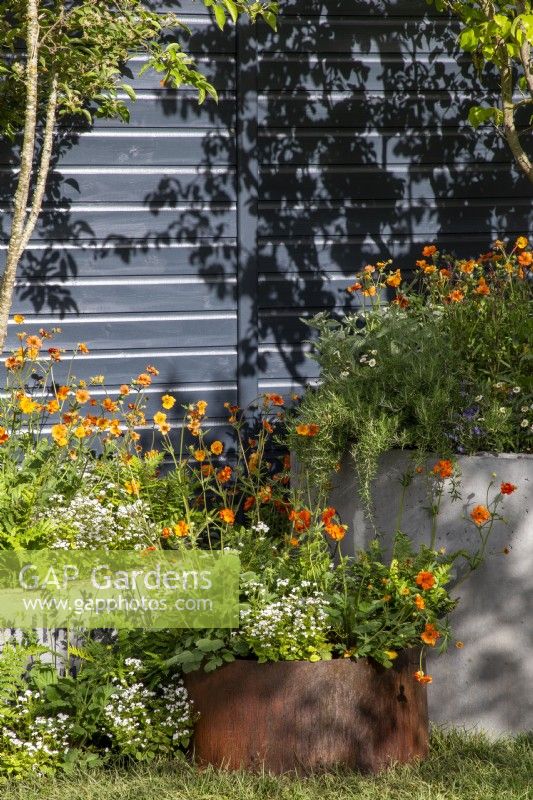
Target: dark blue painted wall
x: 196, y: 237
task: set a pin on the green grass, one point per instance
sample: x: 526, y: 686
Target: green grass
x: 460, y: 767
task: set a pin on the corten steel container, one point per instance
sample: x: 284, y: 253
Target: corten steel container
x: 297, y: 715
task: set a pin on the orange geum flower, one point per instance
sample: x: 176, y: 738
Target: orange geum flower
x: 200, y: 455
x: 109, y: 405
x: 27, y: 405
x: 420, y: 603
x: 275, y: 399
x: 82, y: 396
x: 370, y: 291
x: 80, y: 432
x: 328, y: 514
x: 425, y: 579
x: 217, y: 448
x: 60, y: 434
x: 160, y: 418
x: 301, y: 520
x: 525, y: 259
x: 124, y: 389
x: 164, y: 428
x: 355, y: 287
x: 62, y: 392
x: 14, y: 362
x: 82, y: 348
x: 132, y: 487
x: 152, y: 370
x: 429, y: 250
x: 265, y: 494
x: 224, y: 474
x: 207, y: 470
x: 166, y: 533
x: 430, y: 634
x: 421, y: 677
x: 521, y: 242
x: 394, y: 279
x: 4, y: 435
x: 143, y: 379
x: 248, y: 503
x: 443, y: 468
x: 267, y: 426
x: 456, y: 296
x: 54, y: 353
x: 482, y: 288
x: 467, y: 267
x: 480, y: 515
x: 336, y: 532
x: 115, y: 428
x: 181, y: 528
x: 168, y: 402
x: 97, y: 380
x: 227, y: 516
x: 507, y: 488
x: 34, y: 342
x: 19, y: 319
x: 307, y: 430
x: 201, y: 405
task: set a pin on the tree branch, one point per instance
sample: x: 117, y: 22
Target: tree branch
x: 20, y: 202
x: 509, y: 125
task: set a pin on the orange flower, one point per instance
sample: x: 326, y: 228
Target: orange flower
x: 328, y: 514
x: 109, y: 404
x: 206, y: 470
x: 467, y: 267
x: 275, y: 399
x: 27, y: 405
x: 164, y: 428
x: 294, y: 541
x: 307, y: 430
x: 168, y: 402
x: 34, y: 342
x: 354, y: 287
x: 370, y: 291
x: 401, y: 300
x: 301, y: 520
x: 443, y: 468
x: 166, y: 533
x: 248, y: 503
x: 152, y: 370
x: 217, y: 447
x: 421, y: 677
x: 267, y: 426
x: 459, y: 645
x: 62, y: 393
x: 445, y: 273
x: 60, y: 434
x: 124, y: 390
x: 82, y: 348
x: 54, y: 353
x: 18, y: 319
x: 429, y: 250
x: 336, y: 532
x: 143, y: 379
x: 521, y: 242
x: 426, y: 580
x: 132, y: 487
x: 201, y: 405
x: 430, y: 634
x: 224, y: 474
x: 480, y: 515
x: 227, y: 516
x: 394, y: 279
x: 14, y: 362
x: 420, y: 603
x: 4, y: 435
x: 457, y: 296
x: 265, y: 494
x: 181, y: 529
x: 482, y: 288
x: 200, y: 455
x: 82, y: 396
x: 507, y: 488
x: 525, y: 259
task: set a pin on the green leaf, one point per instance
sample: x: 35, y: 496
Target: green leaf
x: 220, y: 16
x: 129, y: 91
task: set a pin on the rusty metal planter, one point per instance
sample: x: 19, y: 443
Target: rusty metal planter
x: 297, y: 715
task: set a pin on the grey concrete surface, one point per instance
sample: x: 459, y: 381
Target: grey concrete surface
x: 488, y: 684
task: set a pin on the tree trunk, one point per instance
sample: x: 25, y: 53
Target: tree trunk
x: 26, y: 165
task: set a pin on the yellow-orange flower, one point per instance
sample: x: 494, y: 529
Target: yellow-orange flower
x: 143, y: 379
x: 133, y: 486
x: 307, y: 430
x: 181, y: 528
x: 421, y: 677
x: 4, y: 435
x: 18, y: 319
x: 27, y: 405
x: 62, y: 392
x: 420, y: 603
x: 429, y: 250
x: 60, y: 434
x: 430, y: 634
x: 227, y: 516
x: 467, y: 267
x: 207, y: 470
x: 336, y: 532
x: 109, y: 405
x: 124, y: 389
x: 217, y: 447
x: 265, y: 494
x: 480, y: 515
x: 370, y: 291
x: 482, y: 288
x: 164, y: 428
x: 457, y: 296
x: 224, y: 474
x: 200, y: 455
x: 201, y: 405
x: 521, y: 242
x: 167, y: 401
x: 80, y: 432
x: 34, y: 342
x: 525, y: 259
x: 82, y: 396
x: 160, y: 418
x: 394, y: 279
x: 426, y: 580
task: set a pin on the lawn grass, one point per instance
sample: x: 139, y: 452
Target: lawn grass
x: 461, y: 767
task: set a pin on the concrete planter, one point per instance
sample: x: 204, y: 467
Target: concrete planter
x: 488, y: 683
x: 302, y: 716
